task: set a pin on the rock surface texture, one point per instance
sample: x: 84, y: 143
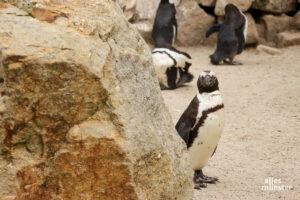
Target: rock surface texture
x: 243, y: 5
x: 274, y: 6
x: 252, y: 36
x: 82, y: 115
x: 208, y: 3
x: 288, y: 39
x: 146, y: 9
x: 296, y: 21
x: 193, y: 22
x: 273, y: 25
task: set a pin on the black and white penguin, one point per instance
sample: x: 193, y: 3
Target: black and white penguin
x: 201, y: 125
x: 165, y: 26
x: 231, y: 37
x: 172, y: 67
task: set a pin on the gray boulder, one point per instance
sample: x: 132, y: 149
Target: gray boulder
x: 83, y: 115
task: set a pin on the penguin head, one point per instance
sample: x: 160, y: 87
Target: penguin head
x: 184, y: 77
x: 234, y: 15
x: 207, y: 82
x: 231, y: 8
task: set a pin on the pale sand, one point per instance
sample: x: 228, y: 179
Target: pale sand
x: 261, y: 138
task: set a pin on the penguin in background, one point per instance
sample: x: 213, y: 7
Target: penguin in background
x: 164, y: 30
x: 171, y: 66
x: 231, y: 36
x: 201, y: 125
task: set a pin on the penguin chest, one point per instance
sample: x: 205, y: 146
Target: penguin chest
x: 207, y: 139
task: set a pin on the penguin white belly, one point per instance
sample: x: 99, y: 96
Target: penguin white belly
x: 161, y: 63
x: 164, y: 57
x: 208, y: 137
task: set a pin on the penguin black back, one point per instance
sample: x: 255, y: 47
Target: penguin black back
x: 233, y: 16
x: 231, y: 38
x: 165, y: 25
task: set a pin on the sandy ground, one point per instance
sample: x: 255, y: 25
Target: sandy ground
x: 261, y: 138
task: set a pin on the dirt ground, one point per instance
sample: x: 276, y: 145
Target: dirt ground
x: 261, y: 138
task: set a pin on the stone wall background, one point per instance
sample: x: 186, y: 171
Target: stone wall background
x: 271, y: 22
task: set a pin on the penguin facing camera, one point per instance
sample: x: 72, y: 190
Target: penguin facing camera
x: 201, y: 125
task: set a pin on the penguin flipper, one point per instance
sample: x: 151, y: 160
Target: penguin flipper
x: 183, y: 130
x: 212, y: 29
x: 241, y: 40
x: 187, y: 121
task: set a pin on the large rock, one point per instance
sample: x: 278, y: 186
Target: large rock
x: 207, y: 3
x: 145, y: 29
x: 261, y: 29
x: 83, y: 117
x: 275, y: 24
x: 127, y: 4
x: 252, y: 36
x: 193, y: 22
x: 146, y: 9
x: 288, y: 39
x: 243, y: 5
x: 268, y: 50
x: 274, y: 6
x: 128, y: 7
x: 296, y: 20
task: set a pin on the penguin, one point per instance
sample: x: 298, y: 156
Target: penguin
x: 201, y: 125
x: 165, y: 25
x: 171, y: 66
x: 231, y: 37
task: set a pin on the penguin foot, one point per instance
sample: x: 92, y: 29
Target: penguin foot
x: 200, y: 179
x: 207, y: 179
x: 198, y: 186
x: 232, y: 62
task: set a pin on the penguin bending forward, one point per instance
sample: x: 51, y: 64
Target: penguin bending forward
x: 165, y: 26
x: 201, y: 125
x: 231, y: 37
x: 171, y: 66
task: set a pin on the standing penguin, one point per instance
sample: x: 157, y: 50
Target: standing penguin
x: 201, y: 125
x: 171, y: 66
x: 231, y: 37
x: 165, y: 25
